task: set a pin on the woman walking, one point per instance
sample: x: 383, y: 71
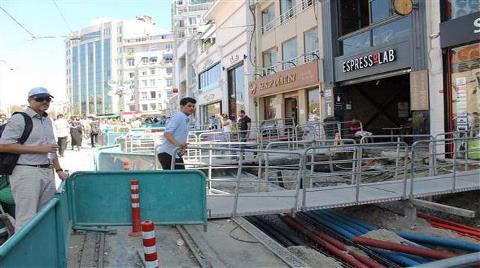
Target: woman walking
x: 76, y: 131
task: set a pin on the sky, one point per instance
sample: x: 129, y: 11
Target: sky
x: 26, y: 63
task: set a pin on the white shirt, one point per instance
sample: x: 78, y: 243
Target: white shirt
x: 61, y: 127
x: 228, y: 127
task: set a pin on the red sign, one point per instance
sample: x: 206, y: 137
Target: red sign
x: 175, y: 90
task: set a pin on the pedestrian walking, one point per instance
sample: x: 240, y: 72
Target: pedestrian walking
x: 244, y: 125
x: 176, y: 134
x: 94, y: 130
x: 227, y: 127
x: 76, y: 133
x: 32, y: 179
x: 61, y: 130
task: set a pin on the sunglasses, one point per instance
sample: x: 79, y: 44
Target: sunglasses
x: 42, y: 99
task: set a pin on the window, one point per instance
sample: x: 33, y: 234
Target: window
x: 270, y: 109
x: 458, y: 8
x: 131, y: 107
x: 379, y: 10
x: 130, y: 50
x: 464, y: 73
x: 131, y: 75
x: 287, y: 9
x: 236, y: 90
x: 153, y: 59
x: 153, y: 94
x: 144, y: 96
x: 144, y: 72
x: 152, y: 70
x: 169, y: 70
x: 144, y: 83
x: 389, y: 32
x: 270, y: 57
x: 153, y: 106
x: 181, y: 23
x: 131, y: 62
x: 210, y: 78
x: 152, y: 82
x: 168, y: 58
x: 192, y: 20
x: 313, y: 104
x: 268, y: 15
x: 169, y: 82
x: 289, y: 53
x: 144, y: 107
x: 353, y: 15
x: 144, y: 60
x: 310, y: 40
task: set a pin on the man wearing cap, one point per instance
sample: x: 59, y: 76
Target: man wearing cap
x: 32, y: 179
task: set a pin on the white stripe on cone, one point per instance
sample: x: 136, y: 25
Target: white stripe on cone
x: 149, y: 264
x: 134, y: 195
x: 150, y: 250
x: 148, y: 235
x: 135, y: 205
x: 134, y: 187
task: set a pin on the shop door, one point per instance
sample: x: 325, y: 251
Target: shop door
x: 291, y: 108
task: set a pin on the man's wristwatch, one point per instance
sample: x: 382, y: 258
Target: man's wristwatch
x: 58, y: 170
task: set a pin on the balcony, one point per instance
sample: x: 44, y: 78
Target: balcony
x: 288, y: 15
x: 290, y: 63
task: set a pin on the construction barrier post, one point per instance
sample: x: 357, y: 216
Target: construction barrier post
x: 126, y: 165
x: 136, y: 222
x: 149, y: 247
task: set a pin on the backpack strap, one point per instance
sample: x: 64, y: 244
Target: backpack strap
x: 28, y: 127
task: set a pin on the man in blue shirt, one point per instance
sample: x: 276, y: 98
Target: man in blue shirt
x: 176, y: 134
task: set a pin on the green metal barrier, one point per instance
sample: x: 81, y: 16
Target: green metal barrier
x: 42, y: 242
x: 166, y: 197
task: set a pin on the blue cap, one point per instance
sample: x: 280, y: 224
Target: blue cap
x: 39, y: 91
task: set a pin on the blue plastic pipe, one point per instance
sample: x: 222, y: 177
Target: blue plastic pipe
x: 356, y: 221
x: 347, y: 222
x: 447, y: 242
x: 349, y: 233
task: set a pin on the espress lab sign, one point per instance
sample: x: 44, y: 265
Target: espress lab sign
x: 368, y: 61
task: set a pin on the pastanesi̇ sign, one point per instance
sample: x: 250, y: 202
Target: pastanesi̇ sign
x: 369, y: 60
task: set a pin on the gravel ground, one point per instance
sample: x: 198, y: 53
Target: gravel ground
x: 314, y: 258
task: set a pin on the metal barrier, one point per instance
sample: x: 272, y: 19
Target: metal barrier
x: 43, y: 241
x: 455, y: 164
x: 276, y: 174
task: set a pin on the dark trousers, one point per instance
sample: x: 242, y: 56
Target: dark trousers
x: 62, y: 145
x: 93, y: 139
x: 166, y: 161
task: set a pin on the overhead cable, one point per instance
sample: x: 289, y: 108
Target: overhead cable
x: 19, y: 24
x: 63, y: 17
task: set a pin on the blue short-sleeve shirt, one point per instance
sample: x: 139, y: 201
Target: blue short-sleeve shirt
x: 178, y: 127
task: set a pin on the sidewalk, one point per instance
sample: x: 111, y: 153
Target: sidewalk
x: 76, y: 161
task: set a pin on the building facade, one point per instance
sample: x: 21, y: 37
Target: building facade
x: 460, y: 42
x: 90, y: 63
x: 287, y: 82
x: 108, y: 63
x: 147, y: 69
x: 377, y: 52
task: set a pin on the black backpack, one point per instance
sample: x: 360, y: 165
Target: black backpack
x: 9, y: 160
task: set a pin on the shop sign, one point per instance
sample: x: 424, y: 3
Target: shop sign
x: 461, y: 30
x: 367, y: 61
x: 208, y: 97
x: 303, y: 75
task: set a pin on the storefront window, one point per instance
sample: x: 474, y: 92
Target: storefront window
x: 355, y: 43
x: 458, y: 8
x: 212, y: 115
x: 465, y: 86
x: 270, y: 110
x: 236, y: 90
x: 210, y: 78
x: 313, y: 104
x: 391, y: 32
